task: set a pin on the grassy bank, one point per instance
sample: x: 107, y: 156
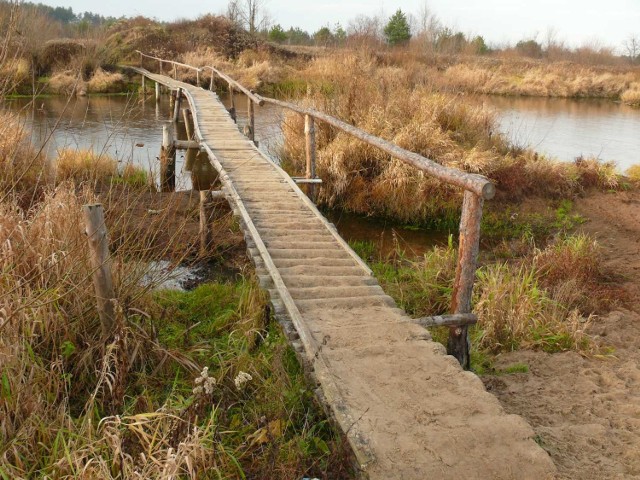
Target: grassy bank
x: 196, y: 384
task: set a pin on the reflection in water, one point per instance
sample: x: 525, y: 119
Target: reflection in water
x: 568, y: 128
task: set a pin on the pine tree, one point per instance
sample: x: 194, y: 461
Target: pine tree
x: 397, y: 30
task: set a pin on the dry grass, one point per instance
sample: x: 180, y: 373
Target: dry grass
x: 401, y: 105
x: 560, y: 79
x: 67, y: 82
x: 633, y: 172
x: 631, y: 96
x: 84, y: 166
x: 105, y: 82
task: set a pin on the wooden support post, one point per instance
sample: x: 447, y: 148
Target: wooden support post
x: 157, y: 92
x: 160, y: 63
x: 251, y: 119
x: 205, y: 217
x: 197, y: 78
x: 190, y: 155
x: 211, y: 82
x: 141, y: 58
x: 232, y: 109
x: 458, y: 344
x: 175, y: 72
x: 100, y: 260
x: 172, y: 102
x: 310, y: 138
x: 187, y: 117
x: 144, y: 85
x: 176, y: 107
x: 167, y: 160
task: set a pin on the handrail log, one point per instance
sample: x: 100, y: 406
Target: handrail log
x: 472, y: 182
x: 170, y: 61
x: 256, y: 98
x: 457, y: 320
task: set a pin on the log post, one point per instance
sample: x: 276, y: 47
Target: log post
x: 175, y: 72
x: 198, y: 78
x: 190, y: 155
x: 167, y: 160
x: 187, y: 117
x: 232, y: 109
x: 310, y: 138
x: 251, y: 119
x: 160, y: 63
x: 144, y: 85
x: 205, y: 217
x: 100, y: 260
x: 458, y: 344
x: 157, y: 92
x: 211, y: 82
x: 176, y: 107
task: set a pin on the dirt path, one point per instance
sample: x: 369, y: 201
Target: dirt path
x: 586, y: 411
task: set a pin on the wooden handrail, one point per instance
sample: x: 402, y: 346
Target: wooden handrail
x: 170, y: 61
x: 253, y: 96
x: 475, y: 183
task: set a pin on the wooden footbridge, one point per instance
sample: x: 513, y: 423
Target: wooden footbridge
x: 407, y: 409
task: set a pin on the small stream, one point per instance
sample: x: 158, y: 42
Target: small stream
x: 129, y: 128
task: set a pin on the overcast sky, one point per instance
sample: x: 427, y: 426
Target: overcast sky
x: 576, y: 21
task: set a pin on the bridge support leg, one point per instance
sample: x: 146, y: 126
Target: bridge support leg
x: 176, y: 107
x: 458, y: 344
x: 144, y: 85
x: 157, y: 92
x: 251, y: 119
x: 205, y: 219
x: 232, y: 109
x: 167, y: 160
x: 310, y: 139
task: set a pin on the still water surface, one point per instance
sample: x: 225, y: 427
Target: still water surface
x: 130, y: 130
x: 568, y: 128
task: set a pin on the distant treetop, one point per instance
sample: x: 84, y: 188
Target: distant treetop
x: 397, y: 31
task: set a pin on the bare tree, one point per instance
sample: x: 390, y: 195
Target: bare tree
x: 632, y: 47
x: 429, y: 27
x: 249, y: 14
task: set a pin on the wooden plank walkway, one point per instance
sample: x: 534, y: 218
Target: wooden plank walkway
x: 407, y: 409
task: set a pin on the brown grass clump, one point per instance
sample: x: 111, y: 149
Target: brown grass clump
x: 105, y: 82
x: 535, y: 78
x: 631, y: 96
x: 84, y: 165
x: 23, y: 171
x: 66, y: 83
x: 633, y: 172
x: 400, y: 105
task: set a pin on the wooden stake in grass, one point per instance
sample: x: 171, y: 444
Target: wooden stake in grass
x: 100, y: 259
x: 458, y: 343
x: 167, y: 160
x: 205, y: 216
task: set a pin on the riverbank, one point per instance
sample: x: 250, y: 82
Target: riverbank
x: 584, y: 407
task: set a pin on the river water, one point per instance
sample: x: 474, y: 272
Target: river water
x: 130, y: 130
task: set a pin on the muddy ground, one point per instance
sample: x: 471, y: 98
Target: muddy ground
x: 586, y: 410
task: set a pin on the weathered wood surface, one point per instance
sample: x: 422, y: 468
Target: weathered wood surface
x: 100, y: 260
x: 468, y: 247
x: 167, y: 160
x: 406, y: 408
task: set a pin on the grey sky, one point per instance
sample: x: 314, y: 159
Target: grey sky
x: 576, y: 21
